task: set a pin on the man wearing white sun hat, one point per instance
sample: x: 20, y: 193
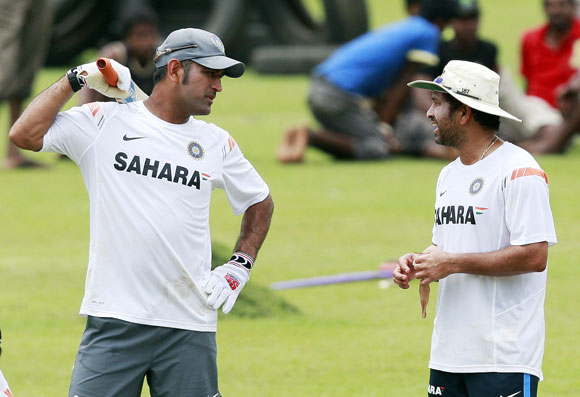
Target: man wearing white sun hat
x: 493, y: 226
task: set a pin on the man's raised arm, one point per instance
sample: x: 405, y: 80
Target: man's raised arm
x: 29, y: 130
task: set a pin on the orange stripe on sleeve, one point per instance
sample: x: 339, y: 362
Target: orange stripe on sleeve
x: 94, y: 108
x: 528, y: 171
x: 231, y: 143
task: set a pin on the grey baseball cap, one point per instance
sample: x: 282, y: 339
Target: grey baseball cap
x: 202, y: 47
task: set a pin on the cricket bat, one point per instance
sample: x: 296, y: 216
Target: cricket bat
x: 110, y: 75
x: 385, y: 271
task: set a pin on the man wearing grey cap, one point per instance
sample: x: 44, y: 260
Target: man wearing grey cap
x: 489, y: 251
x: 151, y: 298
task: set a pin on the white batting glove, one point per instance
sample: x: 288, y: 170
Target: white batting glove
x: 225, y: 284
x: 90, y: 76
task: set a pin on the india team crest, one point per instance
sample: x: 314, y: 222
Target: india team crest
x: 476, y: 186
x: 196, y: 150
x: 218, y: 43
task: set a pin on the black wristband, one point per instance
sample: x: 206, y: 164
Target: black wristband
x: 240, y: 258
x: 75, y: 82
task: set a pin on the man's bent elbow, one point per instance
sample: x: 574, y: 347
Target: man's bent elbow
x: 270, y: 204
x: 540, y: 257
x: 540, y: 266
x: 15, y: 138
x: 24, y: 140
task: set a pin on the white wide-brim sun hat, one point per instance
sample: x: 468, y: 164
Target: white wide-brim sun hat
x: 470, y: 83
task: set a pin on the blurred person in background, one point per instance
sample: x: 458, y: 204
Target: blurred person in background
x: 550, y: 54
x: 360, y: 97
x: 140, y: 37
x: 25, y: 31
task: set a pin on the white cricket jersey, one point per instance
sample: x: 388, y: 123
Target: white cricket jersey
x: 491, y: 324
x: 149, y: 184
x: 4, y: 389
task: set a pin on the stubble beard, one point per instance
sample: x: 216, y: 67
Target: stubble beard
x: 201, y: 109
x: 450, y: 136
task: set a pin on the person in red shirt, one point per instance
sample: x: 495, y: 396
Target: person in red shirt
x: 548, y: 52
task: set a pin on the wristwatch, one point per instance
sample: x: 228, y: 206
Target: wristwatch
x: 75, y: 82
x: 242, y: 259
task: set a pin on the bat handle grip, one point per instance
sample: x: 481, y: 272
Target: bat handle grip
x: 109, y: 73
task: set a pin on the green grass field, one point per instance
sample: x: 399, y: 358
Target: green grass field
x: 346, y: 340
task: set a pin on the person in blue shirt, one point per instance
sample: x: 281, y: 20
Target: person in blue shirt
x: 360, y: 97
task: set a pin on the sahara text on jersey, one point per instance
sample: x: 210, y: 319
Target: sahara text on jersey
x: 457, y: 214
x: 156, y: 169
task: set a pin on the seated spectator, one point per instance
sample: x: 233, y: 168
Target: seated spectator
x: 550, y: 53
x: 466, y: 45
x: 360, y: 97
x: 140, y: 37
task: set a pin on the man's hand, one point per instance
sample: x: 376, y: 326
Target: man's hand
x: 92, y: 77
x: 224, y: 286
x: 431, y: 266
x: 405, y: 270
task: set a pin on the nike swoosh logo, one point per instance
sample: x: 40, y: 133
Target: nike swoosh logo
x: 512, y: 395
x: 132, y: 138
x: 441, y: 194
